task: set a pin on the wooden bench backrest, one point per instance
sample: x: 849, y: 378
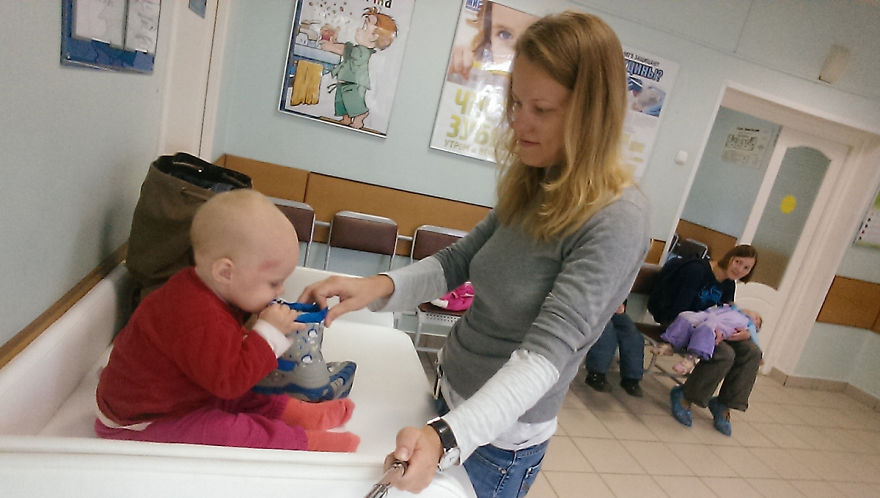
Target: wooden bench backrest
x: 645, y: 279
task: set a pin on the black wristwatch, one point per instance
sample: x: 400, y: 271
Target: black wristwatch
x: 451, y: 453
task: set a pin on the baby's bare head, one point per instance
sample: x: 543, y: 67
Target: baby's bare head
x: 755, y: 317
x: 241, y: 224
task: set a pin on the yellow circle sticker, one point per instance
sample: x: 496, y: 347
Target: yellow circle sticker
x: 788, y: 204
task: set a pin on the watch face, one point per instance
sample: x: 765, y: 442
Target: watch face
x: 450, y: 457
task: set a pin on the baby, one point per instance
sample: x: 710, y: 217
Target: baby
x: 697, y: 332
x: 182, y: 369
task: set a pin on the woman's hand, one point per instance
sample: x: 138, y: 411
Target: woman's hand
x: 739, y: 335
x: 353, y: 292
x: 281, y: 317
x: 421, y: 448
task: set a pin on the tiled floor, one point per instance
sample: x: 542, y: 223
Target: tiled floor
x: 790, y: 443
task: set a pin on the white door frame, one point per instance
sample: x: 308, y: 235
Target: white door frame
x: 850, y: 193
x: 187, y: 65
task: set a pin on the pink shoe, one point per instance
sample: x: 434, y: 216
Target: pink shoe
x: 685, y: 366
x: 458, y: 299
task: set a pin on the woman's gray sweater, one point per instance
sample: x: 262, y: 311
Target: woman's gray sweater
x: 553, y: 298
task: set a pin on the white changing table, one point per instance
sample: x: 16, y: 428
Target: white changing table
x: 63, y: 457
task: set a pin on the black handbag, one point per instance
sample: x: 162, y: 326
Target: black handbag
x: 175, y: 186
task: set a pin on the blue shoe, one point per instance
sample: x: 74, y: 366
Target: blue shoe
x: 720, y: 414
x: 682, y: 414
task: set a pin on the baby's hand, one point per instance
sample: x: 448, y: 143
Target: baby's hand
x: 281, y: 317
x: 718, y: 337
x: 739, y: 335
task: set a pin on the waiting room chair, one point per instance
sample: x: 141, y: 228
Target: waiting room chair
x: 690, y: 248
x: 427, y: 240
x: 362, y: 232
x: 302, y: 216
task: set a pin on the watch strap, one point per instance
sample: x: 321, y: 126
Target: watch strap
x: 451, y: 453
x: 447, y: 438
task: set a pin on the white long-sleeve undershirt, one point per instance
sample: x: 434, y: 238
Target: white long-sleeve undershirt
x: 490, y: 415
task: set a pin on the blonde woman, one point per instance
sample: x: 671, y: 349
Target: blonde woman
x: 549, y: 265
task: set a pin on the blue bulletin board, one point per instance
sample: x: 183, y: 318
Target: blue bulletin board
x: 116, y: 35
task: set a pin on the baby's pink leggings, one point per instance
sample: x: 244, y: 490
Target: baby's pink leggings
x: 251, y: 421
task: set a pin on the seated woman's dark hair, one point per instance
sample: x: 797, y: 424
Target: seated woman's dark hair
x: 740, y: 251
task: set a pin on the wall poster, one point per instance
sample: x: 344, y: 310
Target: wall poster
x: 343, y: 61
x: 474, y: 92
x: 649, y: 81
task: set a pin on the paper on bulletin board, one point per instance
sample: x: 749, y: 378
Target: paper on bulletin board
x: 869, y: 232
x: 102, y: 20
x: 142, y: 29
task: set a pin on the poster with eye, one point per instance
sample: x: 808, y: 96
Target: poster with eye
x: 649, y: 81
x: 475, y: 88
x: 343, y: 61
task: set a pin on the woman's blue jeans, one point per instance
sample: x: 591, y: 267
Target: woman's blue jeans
x: 497, y: 473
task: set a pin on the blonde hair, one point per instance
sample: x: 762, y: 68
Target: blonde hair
x: 583, y: 54
x: 232, y: 223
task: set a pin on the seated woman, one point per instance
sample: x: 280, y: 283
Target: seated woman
x: 695, y: 285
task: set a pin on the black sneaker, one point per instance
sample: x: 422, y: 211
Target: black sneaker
x: 597, y: 381
x: 632, y: 387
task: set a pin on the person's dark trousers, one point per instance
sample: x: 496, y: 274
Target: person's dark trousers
x: 619, y: 332
x: 734, y: 363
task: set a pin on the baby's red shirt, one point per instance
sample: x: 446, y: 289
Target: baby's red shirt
x: 183, y: 349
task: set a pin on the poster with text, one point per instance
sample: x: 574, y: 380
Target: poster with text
x: 475, y: 88
x: 343, y: 61
x: 649, y: 81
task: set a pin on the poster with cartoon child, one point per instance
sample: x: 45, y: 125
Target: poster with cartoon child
x: 344, y: 61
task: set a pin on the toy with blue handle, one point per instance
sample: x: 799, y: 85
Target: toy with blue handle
x: 309, y: 313
x: 302, y: 372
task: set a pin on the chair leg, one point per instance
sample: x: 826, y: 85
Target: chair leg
x: 418, y: 334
